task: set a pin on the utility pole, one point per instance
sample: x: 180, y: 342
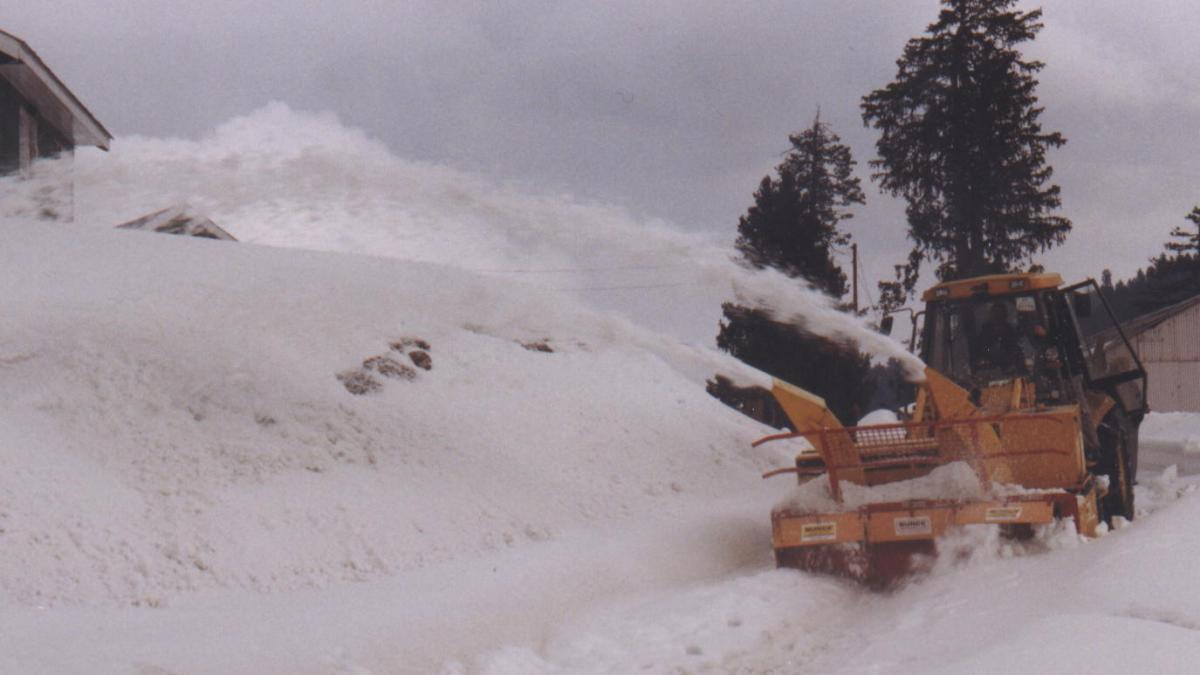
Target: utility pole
x: 854, y: 268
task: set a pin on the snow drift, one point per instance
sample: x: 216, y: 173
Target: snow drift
x: 174, y: 426
x: 175, y: 421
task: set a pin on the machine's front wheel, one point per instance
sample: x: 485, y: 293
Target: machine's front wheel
x: 1116, y: 461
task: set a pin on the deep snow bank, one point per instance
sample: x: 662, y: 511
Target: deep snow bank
x: 1169, y: 428
x: 172, y: 419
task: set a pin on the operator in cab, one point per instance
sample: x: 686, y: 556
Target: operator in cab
x: 998, y: 343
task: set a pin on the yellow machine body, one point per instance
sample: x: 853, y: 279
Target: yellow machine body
x: 1036, y: 425
x: 1006, y: 439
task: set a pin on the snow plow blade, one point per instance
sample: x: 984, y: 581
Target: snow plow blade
x: 880, y: 544
x: 1028, y: 462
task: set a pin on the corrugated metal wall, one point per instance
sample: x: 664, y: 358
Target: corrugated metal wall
x: 1174, y: 386
x: 1171, y: 353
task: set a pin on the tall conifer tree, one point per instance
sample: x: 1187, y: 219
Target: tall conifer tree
x: 961, y: 142
x: 793, y: 227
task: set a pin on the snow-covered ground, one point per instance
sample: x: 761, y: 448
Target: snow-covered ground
x: 174, y: 427
x: 1125, y: 603
x: 1168, y: 439
x: 189, y: 486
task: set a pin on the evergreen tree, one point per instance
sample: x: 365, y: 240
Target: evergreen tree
x: 961, y: 142
x: 836, y: 373
x: 1117, y: 295
x: 1168, y: 279
x: 1173, y: 278
x: 793, y: 227
x: 1190, y: 244
x: 794, y: 221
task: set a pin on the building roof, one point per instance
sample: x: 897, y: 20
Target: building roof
x: 181, y: 219
x: 1149, y: 320
x: 24, y: 69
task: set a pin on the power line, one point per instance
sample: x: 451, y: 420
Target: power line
x: 563, y: 270
x: 632, y: 287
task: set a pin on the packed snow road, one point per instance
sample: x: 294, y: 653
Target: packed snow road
x: 1124, y: 603
x: 1170, y: 439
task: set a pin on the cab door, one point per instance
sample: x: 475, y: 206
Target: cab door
x: 1108, y: 359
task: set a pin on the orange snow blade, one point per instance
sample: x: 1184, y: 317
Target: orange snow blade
x: 882, y: 544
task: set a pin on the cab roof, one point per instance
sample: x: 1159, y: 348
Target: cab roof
x: 992, y: 285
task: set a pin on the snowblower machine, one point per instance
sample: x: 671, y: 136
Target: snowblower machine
x: 1032, y: 385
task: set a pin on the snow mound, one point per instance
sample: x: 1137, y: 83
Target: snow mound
x: 173, y: 419
x: 878, y: 418
x: 1175, y: 427
x: 956, y: 480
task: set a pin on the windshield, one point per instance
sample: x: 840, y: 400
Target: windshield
x: 990, y: 338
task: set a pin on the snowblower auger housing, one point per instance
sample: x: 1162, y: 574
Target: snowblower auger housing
x: 1031, y: 385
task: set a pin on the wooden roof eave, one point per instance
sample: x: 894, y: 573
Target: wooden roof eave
x: 40, y: 86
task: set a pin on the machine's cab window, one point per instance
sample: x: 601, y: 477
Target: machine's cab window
x: 986, y: 338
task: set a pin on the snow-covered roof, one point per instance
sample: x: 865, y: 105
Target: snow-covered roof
x: 179, y: 220
x: 30, y: 76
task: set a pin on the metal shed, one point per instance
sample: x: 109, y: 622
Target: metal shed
x: 1168, y: 343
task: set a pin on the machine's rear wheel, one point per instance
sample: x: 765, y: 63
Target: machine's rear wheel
x: 1117, y: 451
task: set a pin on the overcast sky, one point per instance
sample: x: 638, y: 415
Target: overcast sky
x: 670, y: 109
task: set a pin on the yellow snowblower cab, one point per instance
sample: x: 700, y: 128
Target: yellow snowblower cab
x: 1064, y: 344
x: 1030, y: 384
